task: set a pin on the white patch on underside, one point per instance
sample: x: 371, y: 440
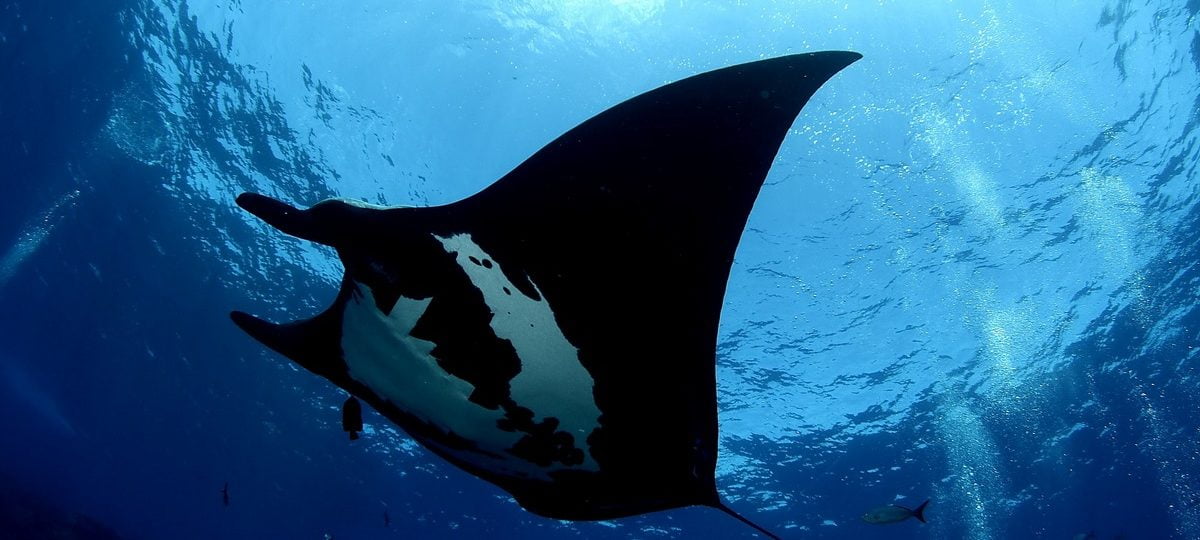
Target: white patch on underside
x: 380, y: 353
x: 552, y: 381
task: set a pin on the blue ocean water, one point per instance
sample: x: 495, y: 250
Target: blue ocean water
x: 971, y: 277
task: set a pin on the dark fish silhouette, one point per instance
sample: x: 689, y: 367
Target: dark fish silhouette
x: 555, y: 333
x: 225, y: 494
x: 352, y: 417
x: 893, y: 513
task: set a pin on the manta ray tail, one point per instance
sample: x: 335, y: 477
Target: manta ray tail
x: 721, y: 506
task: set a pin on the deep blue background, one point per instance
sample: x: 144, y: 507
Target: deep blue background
x: 972, y: 275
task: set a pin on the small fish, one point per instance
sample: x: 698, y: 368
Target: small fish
x: 387, y: 519
x: 225, y: 494
x: 894, y: 514
x: 1090, y: 535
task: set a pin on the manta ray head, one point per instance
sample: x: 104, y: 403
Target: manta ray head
x: 459, y: 348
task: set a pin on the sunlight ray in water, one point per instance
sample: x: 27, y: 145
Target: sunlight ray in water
x: 973, y: 482
x: 1173, y: 456
x: 1114, y: 219
x: 32, y: 235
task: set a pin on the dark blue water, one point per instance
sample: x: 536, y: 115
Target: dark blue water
x: 972, y: 275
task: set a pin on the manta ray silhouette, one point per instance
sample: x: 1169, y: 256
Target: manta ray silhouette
x: 555, y: 334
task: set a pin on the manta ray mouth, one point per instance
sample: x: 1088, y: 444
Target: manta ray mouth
x: 555, y: 333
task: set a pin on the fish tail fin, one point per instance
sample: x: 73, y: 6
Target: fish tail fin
x: 721, y: 506
x: 919, y: 513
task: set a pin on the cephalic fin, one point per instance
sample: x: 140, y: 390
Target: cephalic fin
x: 305, y: 224
x: 298, y: 340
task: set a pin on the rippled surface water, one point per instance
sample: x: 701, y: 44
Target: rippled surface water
x: 971, y: 276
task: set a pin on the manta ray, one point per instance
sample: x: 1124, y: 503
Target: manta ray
x: 555, y: 334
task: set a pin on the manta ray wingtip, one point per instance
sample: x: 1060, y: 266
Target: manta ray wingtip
x: 827, y: 63
x: 824, y: 64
